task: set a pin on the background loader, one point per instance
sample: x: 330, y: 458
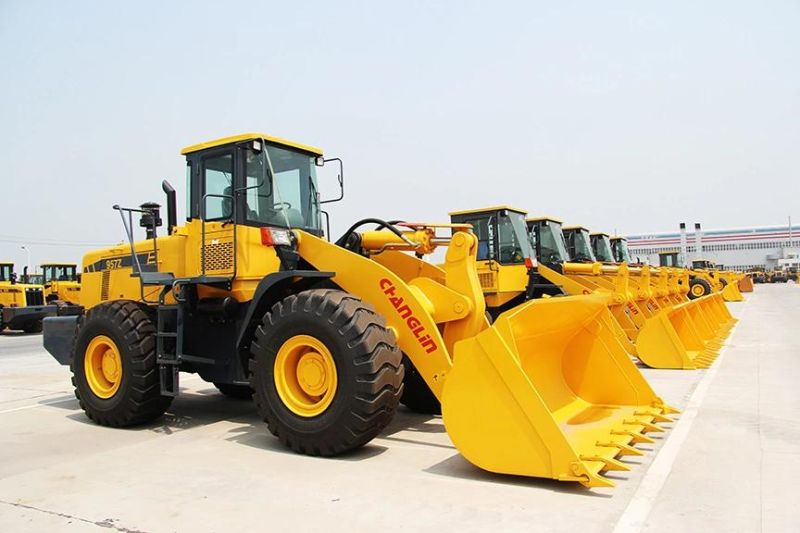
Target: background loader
x: 250, y: 296
x: 61, y: 282
x: 22, y: 305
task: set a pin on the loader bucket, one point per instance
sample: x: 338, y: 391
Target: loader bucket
x: 731, y: 293
x: 745, y: 284
x: 547, y: 391
x: 678, y: 337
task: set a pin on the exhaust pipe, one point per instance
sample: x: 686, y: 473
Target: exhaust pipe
x: 172, y: 208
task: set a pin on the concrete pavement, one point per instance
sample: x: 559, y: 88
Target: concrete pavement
x: 211, y: 465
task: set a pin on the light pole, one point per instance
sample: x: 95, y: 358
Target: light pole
x: 28, y: 252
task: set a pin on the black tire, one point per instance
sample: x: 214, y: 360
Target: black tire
x: 699, y: 281
x: 138, y: 399
x: 723, y: 281
x: 239, y: 392
x: 368, y: 366
x: 417, y: 396
x: 33, y: 327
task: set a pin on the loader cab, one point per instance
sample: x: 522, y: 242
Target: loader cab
x: 505, y: 260
x: 254, y: 180
x: 601, y: 245
x: 6, y: 271
x: 619, y: 247
x: 579, y: 246
x: 501, y: 234
x: 703, y: 264
x: 548, y: 240
x: 59, y: 272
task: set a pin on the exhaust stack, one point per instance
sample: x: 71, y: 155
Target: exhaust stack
x: 683, y: 260
x: 698, y: 241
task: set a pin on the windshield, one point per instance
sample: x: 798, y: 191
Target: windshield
x: 579, y: 246
x: 58, y: 273
x: 602, y: 248
x: 550, y: 242
x: 5, y: 272
x: 621, y: 253
x: 289, y: 199
x: 502, y: 236
x: 513, y: 239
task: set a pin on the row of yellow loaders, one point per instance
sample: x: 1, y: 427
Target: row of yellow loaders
x: 577, y: 316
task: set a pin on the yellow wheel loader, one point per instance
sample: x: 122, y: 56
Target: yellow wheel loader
x: 706, y: 277
x: 22, y: 305
x: 61, y: 282
x: 248, y: 294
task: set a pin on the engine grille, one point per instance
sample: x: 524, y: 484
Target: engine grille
x: 218, y: 256
x: 104, y: 285
x: 486, y: 279
x: 34, y: 297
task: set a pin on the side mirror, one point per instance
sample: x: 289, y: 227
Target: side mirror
x: 340, y: 178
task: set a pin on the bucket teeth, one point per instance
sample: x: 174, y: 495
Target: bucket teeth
x: 668, y: 410
x: 657, y: 417
x: 647, y: 427
x: 637, y: 438
x: 608, y: 464
x: 624, y: 449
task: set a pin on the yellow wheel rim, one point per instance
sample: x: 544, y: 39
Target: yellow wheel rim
x: 698, y: 290
x: 102, y: 365
x: 305, y: 376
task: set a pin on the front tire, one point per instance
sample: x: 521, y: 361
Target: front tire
x: 698, y: 287
x: 326, y: 373
x: 114, y: 368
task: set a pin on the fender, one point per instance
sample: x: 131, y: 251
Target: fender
x: 270, y: 289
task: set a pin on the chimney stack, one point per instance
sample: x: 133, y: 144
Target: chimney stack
x: 698, y: 241
x: 683, y: 259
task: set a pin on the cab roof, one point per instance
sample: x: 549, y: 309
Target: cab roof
x: 488, y: 209
x: 598, y: 233
x: 247, y: 137
x: 575, y: 227
x: 56, y: 264
x: 619, y: 238
x: 539, y: 219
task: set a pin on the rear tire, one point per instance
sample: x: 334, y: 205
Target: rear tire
x: 137, y: 397
x: 362, y: 383
x: 695, y: 286
x: 239, y: 392
x: 417, y: 396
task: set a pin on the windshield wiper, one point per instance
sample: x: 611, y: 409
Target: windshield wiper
x: 312, y: 190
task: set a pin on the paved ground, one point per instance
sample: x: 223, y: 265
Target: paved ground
x: 731, y: 463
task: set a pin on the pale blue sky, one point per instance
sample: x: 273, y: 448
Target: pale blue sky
x: 617, y: 115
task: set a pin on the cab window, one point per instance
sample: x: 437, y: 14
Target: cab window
x: 218, y: 187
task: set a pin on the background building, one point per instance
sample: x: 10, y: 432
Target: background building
x: 735, y: 248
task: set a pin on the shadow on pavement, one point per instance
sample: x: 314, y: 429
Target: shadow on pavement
x: 192, y: 410
x: 458, y: 467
